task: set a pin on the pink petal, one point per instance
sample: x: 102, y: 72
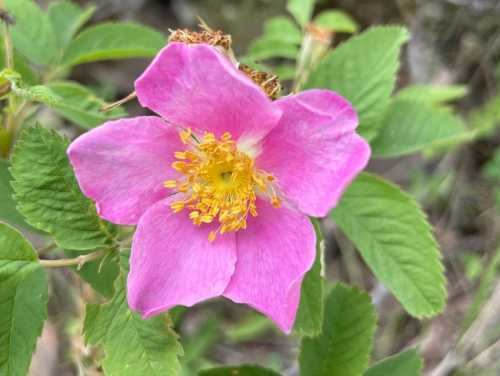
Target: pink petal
x: 274, y: 253
x: 196, y: 86
x: 173, y: 262
x: 314, y: 151
x: 122, y: 165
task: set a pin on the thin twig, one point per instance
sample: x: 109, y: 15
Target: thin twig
x: 77, y: 261
x: 113, y: 105
x: 9, y: 51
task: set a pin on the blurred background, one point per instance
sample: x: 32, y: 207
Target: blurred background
x: 453, y: 42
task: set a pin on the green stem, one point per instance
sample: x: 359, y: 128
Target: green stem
x: 9, y: 50
x: 9, y: 63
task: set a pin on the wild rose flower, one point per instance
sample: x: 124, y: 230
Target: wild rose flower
x: 220, y: 184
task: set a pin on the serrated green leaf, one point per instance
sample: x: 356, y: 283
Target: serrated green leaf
x: 310, y: 313
x: 283, y: 29
x: 432, y: 94
x: 23, y: 302
x: 244, y: 370
x: 113, y: 41
x: 336, y: 21
x: 344, y: 346
x: 394, y: 238
x: 67, y: 18
x: 132, y: 346
x: 32, y: 32
x: 48, y: 195
x: 406, y: 363
x: 81, y: 106
x: 363, y: 70
x: 263, y: 48
x: 301, y: 10
x: 411, y: 126
x: 8, y: 211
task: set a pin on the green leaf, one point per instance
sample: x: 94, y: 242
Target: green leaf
x: 363, y: 70
x: 244, y: 370
x: 132, y: 346
x: 310, y: 313
x: 302, y: 10
x: 48, y: 195
x: 32, y: 32
x: 23, y: 302
x: 411, y: 126
x: 263, y: 48
x: 101, y: 274
x: 344, y: 346
x: 337, y: 21
x: 37, y: 93
x: 283, y: 29
x: 432, y: 94
x: 113, y: 41
x: 406, y: 363
x: 284, y: 72
x: 486, y: 119
x: 67, y: 18
x: 394, y: 238
x: 8, y: 211
x: 81, y: 106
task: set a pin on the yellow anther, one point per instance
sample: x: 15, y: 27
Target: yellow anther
x: 211, y: 236
x: 177, y: 206
x: 275, y: 200
x: 207, y: 218
x: 170, y: 184
x: 180, y: 155
x: 179, y: 166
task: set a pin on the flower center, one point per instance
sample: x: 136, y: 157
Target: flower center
x: 218, y: 182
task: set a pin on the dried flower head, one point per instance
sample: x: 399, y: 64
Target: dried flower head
x: 269, y: 82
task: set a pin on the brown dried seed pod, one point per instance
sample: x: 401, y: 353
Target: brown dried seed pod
x: 208, y: 36
x: 268, y: 82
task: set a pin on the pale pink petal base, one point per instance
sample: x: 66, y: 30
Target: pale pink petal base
x: 196, y: 86
x: 314, y: 151
x: 274, y: 253
x: 173, y: 263
x: 122, y: 165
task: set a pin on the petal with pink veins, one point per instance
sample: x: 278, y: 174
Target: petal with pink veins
x: 274, y: 253
x: 123, y: 164
x: 314, y: 152
x: 196, y: 86
x: 173, y: 263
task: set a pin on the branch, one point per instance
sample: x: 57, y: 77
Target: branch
x: 77, y: 261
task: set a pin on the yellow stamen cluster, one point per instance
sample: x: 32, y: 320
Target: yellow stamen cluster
x: 218, y: 182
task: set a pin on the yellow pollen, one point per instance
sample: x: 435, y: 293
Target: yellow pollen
x: 218, y: 182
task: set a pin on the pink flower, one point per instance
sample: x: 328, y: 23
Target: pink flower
x: 222, y: 209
